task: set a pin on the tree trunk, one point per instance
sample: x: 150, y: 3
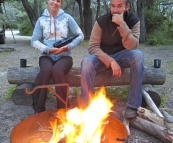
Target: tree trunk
x: 132, y: 7
x: 87, y: 13
x: 155, y: 76
x: 98, y: 9
x: 32, y: 14
x: 81, y: 15
x: 140, y: 10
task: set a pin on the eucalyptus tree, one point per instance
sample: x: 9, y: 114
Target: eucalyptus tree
x: 140, y: 11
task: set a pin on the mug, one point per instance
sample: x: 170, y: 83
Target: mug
x: 23, y: 63
x: 157, y: 63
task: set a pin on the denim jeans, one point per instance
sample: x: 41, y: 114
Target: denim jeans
x: 132, y: 59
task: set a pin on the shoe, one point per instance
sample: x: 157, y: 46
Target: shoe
x: 130, y: 112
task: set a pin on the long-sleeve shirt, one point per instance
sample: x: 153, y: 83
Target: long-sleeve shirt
x: 130, y: 39
x: 49, y: 29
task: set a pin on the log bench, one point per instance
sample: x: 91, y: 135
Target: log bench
x: 25, y: 77
x: 154, y: 76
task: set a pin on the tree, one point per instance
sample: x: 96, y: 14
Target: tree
x: 31, y: 12
x: 81, y: 14
x: 87, y: 14
x: 140, y: 11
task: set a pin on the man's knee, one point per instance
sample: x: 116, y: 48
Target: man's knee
x: 87, y: 64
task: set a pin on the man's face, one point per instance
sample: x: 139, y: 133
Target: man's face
x: 117, y: 6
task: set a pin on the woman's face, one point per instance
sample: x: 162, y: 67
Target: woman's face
x: 54, y: 5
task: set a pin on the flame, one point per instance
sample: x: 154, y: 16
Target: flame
x: 83, y: 125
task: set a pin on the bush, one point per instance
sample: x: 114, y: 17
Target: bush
x: 11, y: 25
x: 25, y: 28
x: 152, y: 40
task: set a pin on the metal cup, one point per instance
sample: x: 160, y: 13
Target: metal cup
x: 23, y: 63
x: 157, y: 63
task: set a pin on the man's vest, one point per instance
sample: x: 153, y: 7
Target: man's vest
x: 113, y: 44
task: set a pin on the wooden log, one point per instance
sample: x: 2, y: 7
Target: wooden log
x: 156, y: 119
x: 151, y: 104
x: 168, y: 117
x: 160, y: 132
x: 153, y: 94
x: 19, y: 96
x: 154, y: 76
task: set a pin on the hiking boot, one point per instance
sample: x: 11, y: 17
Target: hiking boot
x: 130, y: 112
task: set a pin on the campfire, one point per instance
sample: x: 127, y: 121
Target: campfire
x: 94, y: 124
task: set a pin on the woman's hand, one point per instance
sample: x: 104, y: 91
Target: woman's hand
x: 58, y: 50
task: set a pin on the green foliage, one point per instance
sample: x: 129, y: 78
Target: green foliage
x: 153, y: 19
x: 85, y: 43
x: 120, y: 92
x: 163, y: 100
x: 76, y: 91
x: 50, y: 95
x: 25, y: 28
x: 152, y: 40
x: 158, y: 27
x: 10, y: 91
x: 12, y: 25
x: 170, y: 64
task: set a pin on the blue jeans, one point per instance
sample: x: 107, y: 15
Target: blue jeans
x: 132, y: 59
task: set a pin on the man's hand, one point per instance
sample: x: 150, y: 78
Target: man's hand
x: 118, y: 18
x: 115, y: 68
x: 58, y: 50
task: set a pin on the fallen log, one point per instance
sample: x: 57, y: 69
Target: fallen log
x: 154, y: 76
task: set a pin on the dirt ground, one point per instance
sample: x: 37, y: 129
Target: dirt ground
x: 11, y: 114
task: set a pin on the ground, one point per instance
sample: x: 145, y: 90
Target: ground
x: 11, y: 114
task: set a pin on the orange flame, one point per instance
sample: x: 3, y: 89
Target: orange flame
x: 83, y: 126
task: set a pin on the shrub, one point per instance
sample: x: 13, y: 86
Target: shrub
x: 152, y: 40
x: 25, y: 28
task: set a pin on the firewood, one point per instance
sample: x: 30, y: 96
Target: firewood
x: 150, y: 103
x: 153, y: 94
x: 160, y: 132
x: 166, y: 109
x: 168, y: 117
x: 152, y: 117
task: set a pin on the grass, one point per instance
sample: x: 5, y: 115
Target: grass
x: 163, y: 100
x: 10, y: 91
x: 120, y: 92
x: 170, y: 64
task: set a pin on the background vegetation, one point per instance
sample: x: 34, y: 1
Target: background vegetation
x: 155, y: 16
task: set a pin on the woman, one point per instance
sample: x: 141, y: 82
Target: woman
x: 52, y: 26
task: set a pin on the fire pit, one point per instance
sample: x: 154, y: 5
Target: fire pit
x: 36, y: 128
x: 77, y: 125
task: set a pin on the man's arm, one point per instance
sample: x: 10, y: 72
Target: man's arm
x: 130, y: 38
x: 94, y: 45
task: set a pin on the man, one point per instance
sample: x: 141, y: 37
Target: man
x: 112, y: 44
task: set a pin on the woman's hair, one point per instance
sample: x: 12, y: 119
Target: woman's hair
x: 61, y: 1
